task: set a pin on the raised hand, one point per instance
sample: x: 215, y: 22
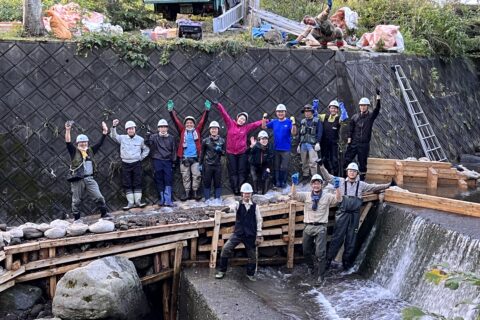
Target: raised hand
x: 115, y: 122
x: 295, y: 178
x: 68, y: 125
x: 208, y: 105
x: 170, y: 105
x: 104, y: 128
x: 252, y: 141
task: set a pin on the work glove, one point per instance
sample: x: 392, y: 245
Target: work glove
x: 200, y: 167
x: 218, y: 148
x: 317, y: 147
x: 377, y: 90
x: 298, y: 149
x: 315, y: 104
x: 393, y: 183
x: 343, y: 112
x: 295, y: 178
x: 319, y: 161
x: 329, y: 4
x: 292, y: 118
x: 208, y: 105
x: 258, y: 240
x: 265, y: 116
x: 170, y: 105
x: 291, y: 43
x: 336, y: 182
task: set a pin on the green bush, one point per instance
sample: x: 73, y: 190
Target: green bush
x: 11, y: 10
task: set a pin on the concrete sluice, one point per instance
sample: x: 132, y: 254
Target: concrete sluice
x: 400, y: 244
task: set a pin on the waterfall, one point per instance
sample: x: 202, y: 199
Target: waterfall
x: 406, y: 246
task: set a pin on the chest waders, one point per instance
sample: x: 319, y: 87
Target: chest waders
x: 347, y: 219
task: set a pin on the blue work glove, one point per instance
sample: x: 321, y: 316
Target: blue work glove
x: 315, y: 103
x: 170, y: 105
x: 295, y: 178
x: 330, y: 3
x: 291, y: 43
x: 200, y: 167
x: 208, y: 105
x: 218, y: 148
x: 343, y: 112
x: 336, y: 182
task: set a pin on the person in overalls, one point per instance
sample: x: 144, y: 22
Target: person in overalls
x: 248, y: 230
x: 347, y: 218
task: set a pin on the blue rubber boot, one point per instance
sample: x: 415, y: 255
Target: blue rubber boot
x: 161, y: 199
x: 168, y: 196
x: 218, y: 193
x: 206, y: 193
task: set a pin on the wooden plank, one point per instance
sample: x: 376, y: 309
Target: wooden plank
x: 152, y: 250
x: 51, y: 271
x: 7, y: 285
x: 432, y: 202
x: 11, y: 275
x: 164, y: 257
x: 432, y: 179
x: 267, y: 211
x: 2, y: 256
x: 8, y: 261
x: 364, y: 213
x: 265, y: 243
x: 157, y: 263
x: 159, y: 276
x: 399, y: 172
x: 112, y: 250
x: 32, y: 246
x: 193, y: 249
x: 216, y: 234
x: 291, y: 236
x: 176, y: 280
x: 267, y: 232
x: 52, y: 281
x: 298, y: 227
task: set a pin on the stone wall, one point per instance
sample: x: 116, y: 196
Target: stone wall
x: 43, y: 84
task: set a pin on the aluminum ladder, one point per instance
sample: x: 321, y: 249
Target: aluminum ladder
x: 229, y: 18
x: 429, y: 141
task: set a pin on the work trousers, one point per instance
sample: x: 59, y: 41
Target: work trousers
x: 261, y: 178
x: 86, y: 187
x: 191, y: 176
x: 132, y: 177
x: 228, y: 251
x: 309, y: 157
x: 163, y: 174
x: 212, y: 172
x: 330, y: 157
x: 281, y: 161
x: 361, y: 150
x: 237, y: 169
x: 315, y: 247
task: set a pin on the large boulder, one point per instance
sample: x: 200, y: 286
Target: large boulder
x: 19, y: 298
x: 107, y: 288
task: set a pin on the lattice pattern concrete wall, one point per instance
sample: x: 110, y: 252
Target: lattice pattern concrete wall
x: 43, y: 84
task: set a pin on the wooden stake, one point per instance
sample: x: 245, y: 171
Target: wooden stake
x: 432, y: 179
x: 8, y: 261
x: 164, y: 257
x: 291, y: 235
x: 216, y: 234
x: 176, y: 280
x: 157, y: 263
x: 193, y: 249
x: 53, y: 279
x: 399, y: 173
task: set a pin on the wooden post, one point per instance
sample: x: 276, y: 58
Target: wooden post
x: 399, y: 173
x: 8, y: 262
x: 216, y: 234
x: 291, y: 235
x: 432, y: 179
x: 165, y: 286
x: 462, y: 184
x: 52, y: 283
x: 157, y: 263
x: 177, y: 265
x: 193, y: 249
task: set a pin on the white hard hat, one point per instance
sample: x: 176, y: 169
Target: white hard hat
x: 243, y: 114
x: 162, y: 123
x: 334, y: 103
x: 364, y: 101
x: 214, y: 124
x: 189, y: 118
x: 246, y: 188
x: 130, y: 124
x: 352, y: 166
x: 281, y: 107
x: 262, y: 134
x: 316, y: 177
x: 82, y: 138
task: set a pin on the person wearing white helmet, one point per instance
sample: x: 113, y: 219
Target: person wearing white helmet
x: 237, y: 157
x: 360, y: 134
x: 310, y: 133
x: 317, y: 203
x: 189, y: 149
x: 283, y: 129
x: 163, y: 154
x: 248, y: 230
x: 132, y: 152
x: 332, y: 123
x: 213, y: 148
x: 347, y: 218
x: 261, y: 162
x: 82, y: 170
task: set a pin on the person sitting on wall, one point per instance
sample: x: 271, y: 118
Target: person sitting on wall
x: 347, y: 218
x: 164, y: 156
x: 248, y: 230
x: 189, y: 150
x: 132, y: 151
x: 213, y: 148
x: 261, y: 162
x: 82, y: 170
x: 316, y: 209
x: 237, y: 158
x: 360, y: 134
x: 310, y: 136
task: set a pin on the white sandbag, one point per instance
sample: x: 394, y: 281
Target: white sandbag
x: 59, y: 224
x: 6, y: 237
x: 77, y: 229
x: 43, y: 227
x: 29, y: 225
x: 55, y: 233
x: 102, y: 226
x: 424, y: 159
x: 16, y: 233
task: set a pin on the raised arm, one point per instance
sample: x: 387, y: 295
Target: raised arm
x: 176, y: 121
x: 203, y: 120
x: 97, y: 146
x: 68, y: 129
x: 373, y: 187
x: 376, y: 111
x: 325, y: 174
x: 113, y: 131
x: 254, y: 125
x: 229, y: 122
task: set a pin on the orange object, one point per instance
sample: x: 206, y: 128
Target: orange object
x: 59, y: 26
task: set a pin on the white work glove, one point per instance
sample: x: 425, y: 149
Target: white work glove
x: 317, y: 147
x: 298, y: 149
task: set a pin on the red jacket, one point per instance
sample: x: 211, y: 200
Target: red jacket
x: 181, y: 130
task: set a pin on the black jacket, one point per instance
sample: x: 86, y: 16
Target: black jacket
x: 161, y: 147
x: 361, y: 125
x: 209, y: 154
x: 261, y: 156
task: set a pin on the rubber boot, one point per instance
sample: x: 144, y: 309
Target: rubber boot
x: 104, y: 213
x: 266, y: 185
x: 167, y: 195
x: 218, y: 193
x: 161, y: 199
x: 196, y: 195
x: 138, y: 200
x: 184, y: 196
x: 282, y: 177
x: 206, y: 193
x: 76, y: 217
x: 130, y: 200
